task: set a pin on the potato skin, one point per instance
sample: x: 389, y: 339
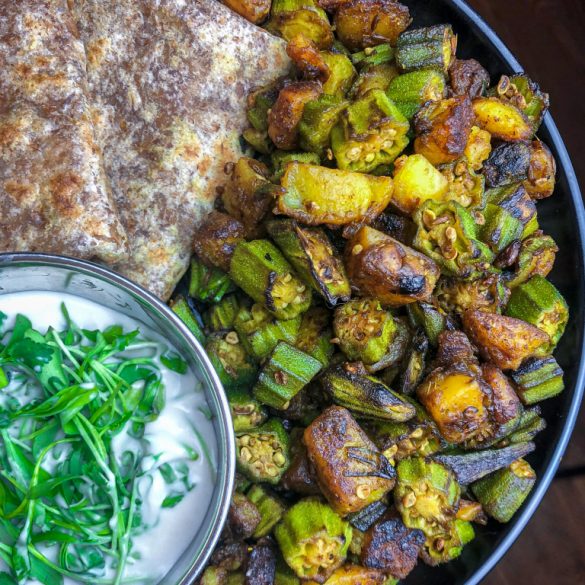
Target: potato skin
x: 216, y: 239
x: 366, y: 23
x: 255, y: 11
x: 287, y: 111
x: 468, y: 77
x: 305, y: 55
x: 506, y: 405
x: 505, y: 341
x: 392, y: 547
x: 443, y: 129
x: 453, y: 347
x: 381, y: 267
x: 348, y: 483
x: 541, y: 171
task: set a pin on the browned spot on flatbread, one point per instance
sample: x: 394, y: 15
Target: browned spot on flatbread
x: 64, y: 189
x: 96, y: 51
x: 9, y: 134
x: 20, y: 192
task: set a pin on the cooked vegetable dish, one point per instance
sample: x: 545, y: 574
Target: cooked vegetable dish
x: 372, y: 290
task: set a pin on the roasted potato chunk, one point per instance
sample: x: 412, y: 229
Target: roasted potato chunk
x: 468, y: 77
x: 307, y: 58
x: 541, y: 171
x: 478, y: 147
x: 454, y: 347
x: 381, y: 267
x: 287, y: 111
x: 392, y: 547
x: 506, y: 405
x: 443, y: 129
x: 351, y: 471
x: 217, y: 238
x: 505, y: 341
x: 366, y: 23
x: 502, y: 120
x: 243, y: 516
x: 255, y: 11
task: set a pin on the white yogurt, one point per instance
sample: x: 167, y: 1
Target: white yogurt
x: 157, y: 550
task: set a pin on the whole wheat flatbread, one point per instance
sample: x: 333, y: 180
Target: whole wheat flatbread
x: 169, y: 80
x: 53, y: 190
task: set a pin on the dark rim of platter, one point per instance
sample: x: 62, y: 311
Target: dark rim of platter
x: 487, y: 34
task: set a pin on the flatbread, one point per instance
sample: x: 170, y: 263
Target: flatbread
x: 54, y: 195
x: 169, y: 80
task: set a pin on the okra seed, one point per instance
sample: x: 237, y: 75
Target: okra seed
x: 232, y: 338
x: 252, y: 441
x: 280, y: 377
x: 428, y: 217
x: 245, y: 454
x: 388, y: 144
x: 287, y: 278
x: 391, y: 132
x: 301, y: 289
x: 370, y: 157
x: 245, y: 440
x: 417, y: 433
x: 460, y: 168
x: 353, y: 153
x: 503, y: 85
x: 298, y: 300
x: 362, y: 492
x: 440, y: 544
x: 357, y: 249
x: 279, y: 459
x: 451, y: 234
x: 409, y: 500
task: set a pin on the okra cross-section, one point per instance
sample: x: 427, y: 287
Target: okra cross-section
x: 263, y: 453
x: 260, y: 269
x: 284, y: 375
x: 351, y: 471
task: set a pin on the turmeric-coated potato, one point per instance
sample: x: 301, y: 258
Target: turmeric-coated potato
x: 442, y: 129
x: 255, y: 11
x: 478, y: 147
x: 366, y: 23
x: 505, y: 341
x: 501, y: 119
x: 217, y: 238
x: 351, y: 471
x: 541, y: 171
x: 355, y: 575
x: 286, y: 113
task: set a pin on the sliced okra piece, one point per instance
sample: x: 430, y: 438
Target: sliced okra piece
x: 516, y: 201
x: 313, y: 539
x: 367, y: 517
x: 319, y: 118
x: 315, y: 335
x: 500, y: 229
x: 426, y: 48
x: 270, y: 508
x: 377, y: 55
x: 396, y: 351
x: 347, y: 386
x: 447, y: 233
x: 351, y: 471
x: 214, y: 576
x: 313, y: 257
x: 281, y: 158
x: 182, y: 309
x: 221, y: 316
x: 415, y: 365
x: 208, y: 284
x: 538, y: 302
x: 465, y: 185
x: 230, y: 360
x: 284, y: 574
x: 286, y: 372
x: 430, y: 317
x: 364, y: 330
x: 411, y: 90
x: 470, y: 467
x: 350, y: 574
x: 502, y: 493
x: 529, y: 425
x: 373, y: 77
x: 536, y: 256
x: 449, y: 545
x: 342, y: 73
x: 262, y: 454
x: 236, y: 578
x: 258, y: 140
x: 538, y: 379
x: 259, y: 103
x: 260, y: 332
x: 260, y: 269
x: 247, y: 413
x: 372, y: 131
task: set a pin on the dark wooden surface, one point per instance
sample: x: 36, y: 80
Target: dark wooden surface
x: 548, y: 38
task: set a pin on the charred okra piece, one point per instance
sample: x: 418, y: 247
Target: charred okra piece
x: 313, y: 539
x: 442, y: 129
x: 426, y: 48
x: 313, y: 257
x: 181, y: 308
x: 270, y: 508
x: 431, y: 318
x: 541, y: 171
x: 456, y: 399
x: 362, y: 23
x: 367, y: 517
x: 526, y: 95
x: 318, y: 195
x: 208, y: 284
x: 350, y: 470
x: 349, y: 387
x: 290, y: 18
x: 415, y: 365
x: 415, y: 181
x: 243, y: 516
x: 377, y: 55
x: 538, y: 302
x: 392, y: 547
x: 315, y: 335
x: 247, y: 413
x: 259, y: 331
x: 371, y: 132
x: 500, y: 229
x: 230, y: 360
x: 515, y: 200
x: 259, y: 103
x: 502, y: 493
x: 396, y: 226
x: 468, y: 77
x: 319, y: 118
x: 536, y: 256
x: 364, y: 330
x: 221, y: 316
x: 538, y: 379
x: 508, y: 163
x: 262, y: 454
x: 470, y: 467
x: 447, y: 233
x: 457, y: 296
x: 502, y: 120
x: 287, y: 371
x: 529, y: 425
x: 465, y: 186
x: 260, y: 269
x: 503, y: 340
x: 281, y: 158
x: 411, y: 90
x: 383, y: 268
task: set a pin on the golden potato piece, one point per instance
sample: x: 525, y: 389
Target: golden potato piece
x: 255, y: 11
x: 502, y: 120
x: 478, y: 147
x: 541, y: 171
x: 505, y: 341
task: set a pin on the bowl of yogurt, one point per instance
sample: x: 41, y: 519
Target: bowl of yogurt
x: 116, y: 451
